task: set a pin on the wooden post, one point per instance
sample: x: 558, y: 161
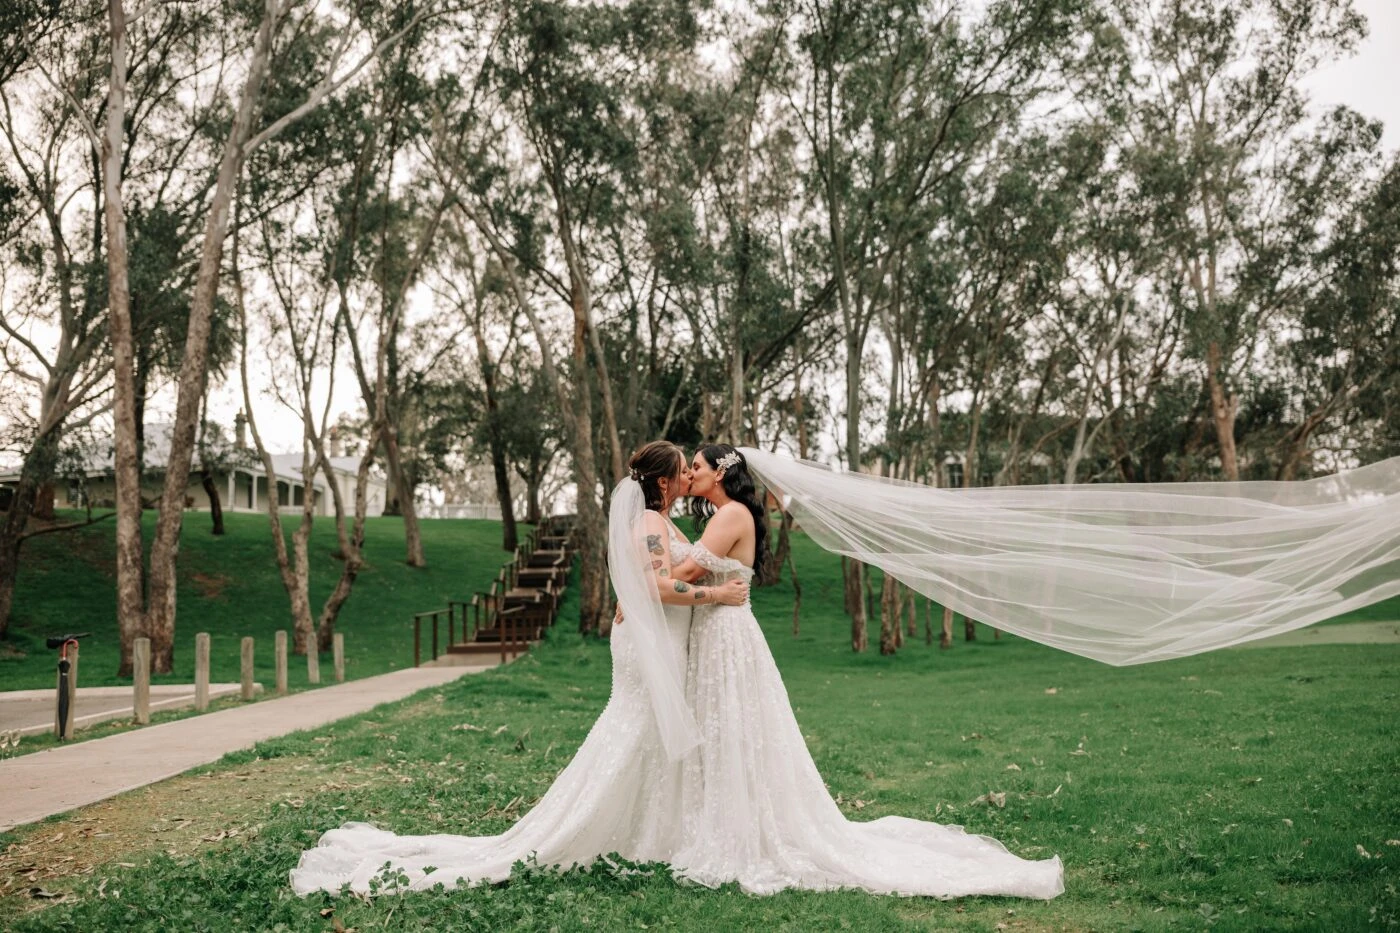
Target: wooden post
x: 945, y: 640
x: 141, y: 677
x: 64, y: 728
x: 201, y: 671
x: 338, y: 653
x: 313, y: 660
x: 247, y: 665
x: 435, y: 635
x: 417, y: 632
x: 279, y: 655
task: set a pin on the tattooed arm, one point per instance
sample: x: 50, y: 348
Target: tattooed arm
x: 674, y: 592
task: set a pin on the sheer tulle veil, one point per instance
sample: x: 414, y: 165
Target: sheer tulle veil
x: 630, y: 570
x: 1122, y: 573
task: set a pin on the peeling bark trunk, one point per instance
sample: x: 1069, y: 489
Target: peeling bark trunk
x: 413, y: 536
x: 1223, y: 408
x: 165, y: 547
x: 131, y: 608
x: 889, y: 615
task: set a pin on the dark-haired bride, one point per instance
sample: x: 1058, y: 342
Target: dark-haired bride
x: 756, y: 808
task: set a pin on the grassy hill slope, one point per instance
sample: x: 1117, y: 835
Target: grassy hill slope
x: 229, y: 587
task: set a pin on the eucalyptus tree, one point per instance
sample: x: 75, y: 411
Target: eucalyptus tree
x: 894, y: 99
x: 1342, y: 351
x: 549, y: 188
x: 310, y: 75
x: 53, y: 163
x: 1216, y: 101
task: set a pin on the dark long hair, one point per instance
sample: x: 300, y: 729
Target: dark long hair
x: 650, y: 463
x: 738, y: 484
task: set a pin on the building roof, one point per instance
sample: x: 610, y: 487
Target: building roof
x: 97, y: 458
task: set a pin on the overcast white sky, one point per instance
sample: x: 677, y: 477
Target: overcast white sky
x: 1369, y: 82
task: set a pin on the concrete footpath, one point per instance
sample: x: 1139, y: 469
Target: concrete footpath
x: 60, y: 779
x: 30, y: 712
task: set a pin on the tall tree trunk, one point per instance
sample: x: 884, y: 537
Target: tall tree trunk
x: 131, y: 614
x: 413, y: 536
x: 593, y: 593
x: 499, y: 467
x: 532, y: 499
x: 889, y: 615
x: 1223, y: 408
x: 194, y: 366
x: 216, y: 508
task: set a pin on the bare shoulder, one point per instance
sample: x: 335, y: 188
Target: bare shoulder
x: 735, y: 513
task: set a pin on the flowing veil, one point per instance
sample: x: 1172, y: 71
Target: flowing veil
x: 1122, y: 573
x: 629, y: 565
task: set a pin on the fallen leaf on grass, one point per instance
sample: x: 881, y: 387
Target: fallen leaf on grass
x: 995, y: 798
x: 500, y: 730
x: 1361, y: 851
x: 40, y: 892
x: 467, y: 727
x: 1013, y: 767
x: 1051, y: 691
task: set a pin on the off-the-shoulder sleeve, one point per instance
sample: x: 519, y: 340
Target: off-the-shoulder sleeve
x: 705, y: 558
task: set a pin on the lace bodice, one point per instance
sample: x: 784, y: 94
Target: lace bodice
x: 720, y: 569
x: 680, y: 547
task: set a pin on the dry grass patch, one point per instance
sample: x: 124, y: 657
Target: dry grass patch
x: 57, y: 859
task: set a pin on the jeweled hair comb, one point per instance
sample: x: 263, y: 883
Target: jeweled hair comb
x: 731, y: 459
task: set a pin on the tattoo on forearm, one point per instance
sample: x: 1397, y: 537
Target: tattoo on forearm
x: 654, y: 544
x: 656, y: 565
x: 663, y: 572
x: 699, y: 594
x: 682, y: 587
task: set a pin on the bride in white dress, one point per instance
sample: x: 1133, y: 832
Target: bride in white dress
x: 757, y: 809
x: 622, y: 790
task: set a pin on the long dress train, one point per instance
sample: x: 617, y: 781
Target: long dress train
x: 762, y: 816
x: 620, y: 793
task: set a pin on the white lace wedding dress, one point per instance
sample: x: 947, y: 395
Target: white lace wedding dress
x: 758, y: 812
x: 619, y: 794
x: 747, y: 806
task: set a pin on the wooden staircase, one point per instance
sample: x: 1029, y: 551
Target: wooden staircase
x: 523, y: 600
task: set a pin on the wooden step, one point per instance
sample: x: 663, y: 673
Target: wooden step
x: 485, y: 647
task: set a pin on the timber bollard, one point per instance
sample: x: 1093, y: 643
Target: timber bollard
x: 313, y: 659
x: 201, y: 671
x: 279, y: 653
x: 338, y: 653
x: 141, y: 680
x: 247, y: 668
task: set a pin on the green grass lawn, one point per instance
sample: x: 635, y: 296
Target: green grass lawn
x: 229, y: 587
x: 1249, y: 789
